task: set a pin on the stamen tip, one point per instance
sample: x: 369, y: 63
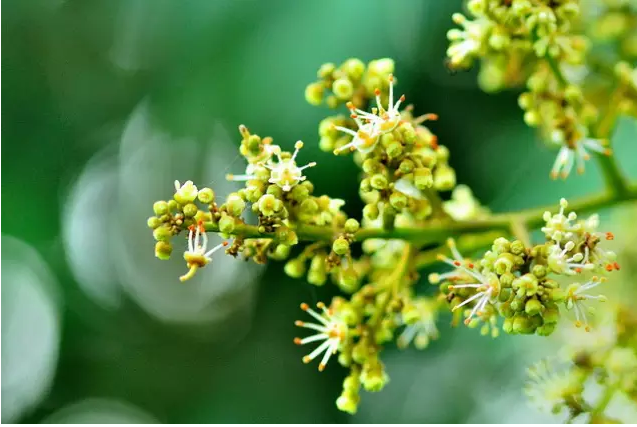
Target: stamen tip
x: 304, y: 306
x: 297, y: 341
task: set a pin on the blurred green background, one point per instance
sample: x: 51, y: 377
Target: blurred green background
x: 106, y: 102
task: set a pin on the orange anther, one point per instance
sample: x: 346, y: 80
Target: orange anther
x: 297, y: 341
x: 610, y: 236
x: 377, y: 92
x: 304, y: 306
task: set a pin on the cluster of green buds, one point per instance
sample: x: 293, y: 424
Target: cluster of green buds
x: 606, y: 359
x: 403, y: 164
x: 521, y: 283
x: 537, y: 44
x: 276, y: 191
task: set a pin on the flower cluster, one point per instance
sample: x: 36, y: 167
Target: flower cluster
x: 536, y: 43
x: 408, y: 212
x: 519, y: 283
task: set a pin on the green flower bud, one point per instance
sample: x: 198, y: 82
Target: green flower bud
x: 371, y: 166
x: 531, y: 118
x: 281, y: 252
x: 507, y: 326
x: 206, y: 195
x: 517, y: 247
x: 371, y: 212
x: 406, y: 166
x: 394, y: 150
x: 317, y: 274
x: 354, y: 68
x: 408, y: 133
x: 444, y: 178
x: 546, y: 329
x: 387, y: 139
x: 275, y: 190
x: 551, y: 315
x: 506, y: 280
x: 517, y: 305
x: 235, y: 205
x: 266, y: 204
x: 350, y: 315
x: 343, y: 89
x: 309, y: 206
x: 539, y: 271
x: 162, y: 234
x: 521, y: 325
x: 348, y: 280
x: 506, y: 310
x: 190, y: 210
x: 160, y: 208
x: 558, y: 295
x: 505, y: 294
x: 163, y: 250
x: 503, y: 264
x: 226, y: 224
x: 348, y: 402
x: 351, y: 383
x: 423, y: 178
x: 340, y: 246
x: 173, y: 205
x: 351, y: 226
x: 187, y: 193
x: 359, y: 352
x: 378, y: 182
x: 374, y: 380
x: 326, y: 70
x: 398, y: 200
x: 501, y: 245
x: 327, y: 144
x: 384, y: 66
x: 300, y: 193
x: 533, y: 307
x: 365, y: 186
x: 153, y: 222
x: 295, y: 268
x: 499, y: 40
x: 314, y: 93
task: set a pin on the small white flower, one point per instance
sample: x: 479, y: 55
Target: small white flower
x: 559, y: 226
x: 576, y: 297
x: 250, y: 174
x: 422, y: 331
x: 486, y: 289
x: 550, y: 387
x: 198, y: 255
x: 561, y: 262
x: 465, y: 44
x: 364, y: 139
x: 576, y: 154
x: 285, y: 173
x: 372, y: 125
x: 331, y: 330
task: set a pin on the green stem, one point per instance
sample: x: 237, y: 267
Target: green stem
x: 437, y: 231
x: 599, y: 409
x: 556, y: 70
